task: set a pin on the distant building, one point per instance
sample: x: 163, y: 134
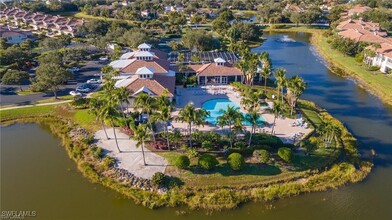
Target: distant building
x: 14, y: 36
x: 357, y: 10
x: 203, y: 57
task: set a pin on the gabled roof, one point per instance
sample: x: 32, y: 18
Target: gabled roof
x: 119, y: 64
x: 144, y: 46
x: 159, y: 66
x: 126, y: 56
x: 144, y: 70
x: 138, y: 85
x: 143, y: 54
x: 212, y: 69
x: 385, y: 49
x: 219, y: 60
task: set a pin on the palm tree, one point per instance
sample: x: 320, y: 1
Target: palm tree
x: 141, y: 134
x: 164, y: 115
x: 264, y: 61
x: 248, y: 65
x: 251, y: 100
x: 295, y: 87
x: 123, y: 95
x: 280, y: 76
x: 96, y: 109
x: 265, y: 73
x: 175, y: 138
x: 228, y: 118
x: 277, y: 110
x: 109, y: 111
x: 329, y: 131
x: 191, y: 115
x: 253, y: 118
x: 146, y: 104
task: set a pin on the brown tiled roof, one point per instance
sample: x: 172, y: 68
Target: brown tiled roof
x: 168, y: 82
x: 159, y: 66
x: 358, y: 9
x: 364, y: 36
x: 212, y: 69
x: 358, y: 24
x: 385, y: 49
x: 150, y: 84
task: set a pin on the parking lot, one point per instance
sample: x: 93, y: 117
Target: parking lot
x: 8, y: 95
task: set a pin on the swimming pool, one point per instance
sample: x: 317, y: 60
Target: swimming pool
x: 214, y: 107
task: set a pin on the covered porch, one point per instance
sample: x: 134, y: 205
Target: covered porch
x: 218, y: 79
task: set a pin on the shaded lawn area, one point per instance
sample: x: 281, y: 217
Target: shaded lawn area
x: 312, y: 116
x: 320, y: 158
x: 253, y: 173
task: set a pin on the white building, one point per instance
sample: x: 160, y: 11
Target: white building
x: 383, y: 58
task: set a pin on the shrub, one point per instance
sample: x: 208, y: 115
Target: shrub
x: 182, y: 162
x: 373, y: 68
x: 107, y: 162
x: 262, y: 155
x: 159, y: 179
x: 207, y: 162
x: 240, y: 145
x: 236, y: 161
x: 97, y: 152
x: 192, y: 152
x: 207, y: 145
x: 286, y: 154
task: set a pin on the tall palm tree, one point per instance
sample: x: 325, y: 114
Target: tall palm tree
x: 228, y: 118
x: 295, y: 87
x: 96, y: 109
x: 248, y: 65
x: 277, y: 110
x: 109, y: 112
x: 264, y: 61
x: 191, y: 115
x: 280, y: 76
x: 253, y: 118
x: 265, y: 73
x: 164, y: 115
x: 123, y: 95
x: 329, y: 131
x: 146, y: 104
x: 141, y: 134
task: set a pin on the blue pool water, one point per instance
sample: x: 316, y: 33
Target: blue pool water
x: 215, y: 107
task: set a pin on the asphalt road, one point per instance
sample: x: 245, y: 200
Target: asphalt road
x: 8, y: 95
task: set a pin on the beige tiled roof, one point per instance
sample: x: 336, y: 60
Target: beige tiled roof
x: 212, y: 69
x: 150, y: 84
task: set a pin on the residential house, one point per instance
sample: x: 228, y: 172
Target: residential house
x: 357, y: 10
x: 382, y: 58
x: 14, y: 36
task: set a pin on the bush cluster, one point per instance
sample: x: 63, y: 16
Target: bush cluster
x: 286, y: 154
x: 236, y: 161
x: 182, y: 162
x: 207, y: 162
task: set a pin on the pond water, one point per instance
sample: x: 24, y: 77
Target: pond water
x: 37, y: 175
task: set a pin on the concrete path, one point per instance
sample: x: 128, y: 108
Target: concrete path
x: 42, y: 104
x: 130, y: 158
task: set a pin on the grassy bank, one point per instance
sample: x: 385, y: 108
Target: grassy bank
x: 200, y: 191
x: 375, y: 82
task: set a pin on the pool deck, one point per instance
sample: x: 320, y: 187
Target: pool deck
x: 283, y: 126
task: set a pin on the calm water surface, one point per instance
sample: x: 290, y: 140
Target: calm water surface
x: 36, y: 173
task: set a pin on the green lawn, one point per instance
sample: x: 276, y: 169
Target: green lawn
x: 26, y: 112
x: 86, y: 120
x: 91, y: 17
x: 312, y: 116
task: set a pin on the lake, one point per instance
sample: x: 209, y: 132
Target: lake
x: 37, y: 175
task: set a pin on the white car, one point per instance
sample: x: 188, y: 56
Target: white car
x: 75, y: 93
x: 73, y: 69
x: 83, y: 89
x: 94, y: 81
x: 103, y: 58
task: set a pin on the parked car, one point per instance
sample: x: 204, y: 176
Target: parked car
x: 75, y: 93
x: 73, y: 69
x: 94, y: 81
x: 103, y: 58
x: 83, y: 89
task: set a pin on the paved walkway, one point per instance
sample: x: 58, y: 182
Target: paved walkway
x: 130, y: 158
x: 42, y: 104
